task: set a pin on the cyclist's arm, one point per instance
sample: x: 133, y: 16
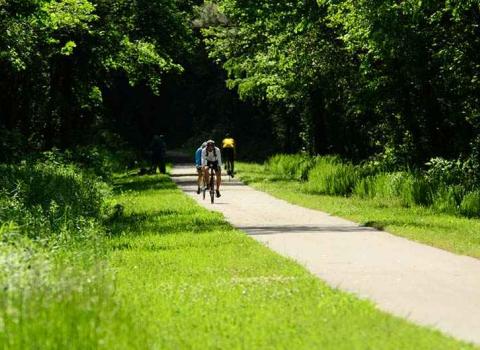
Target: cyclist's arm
x: 204, y: 155
x: 198, y: 158
x: 219, y: 157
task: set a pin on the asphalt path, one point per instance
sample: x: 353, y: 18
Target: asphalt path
x: 425, y: 285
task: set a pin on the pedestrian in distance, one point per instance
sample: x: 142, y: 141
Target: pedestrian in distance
x: 158, y: 148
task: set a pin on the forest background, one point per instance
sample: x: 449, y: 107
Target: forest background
x: 386, y: 81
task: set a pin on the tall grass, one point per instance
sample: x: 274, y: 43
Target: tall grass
x: 52, y: 295
x: 54, y: 287
x: 404, y: 188
x: 331, y: 176
x: 470, y: 205
x: 290, y: 166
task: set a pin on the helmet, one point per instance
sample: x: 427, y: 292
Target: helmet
x: 211, y: 142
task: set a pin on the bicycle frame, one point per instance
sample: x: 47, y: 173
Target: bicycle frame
x: 212, y: 178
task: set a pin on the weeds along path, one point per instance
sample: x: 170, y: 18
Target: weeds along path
x: 423, y: 284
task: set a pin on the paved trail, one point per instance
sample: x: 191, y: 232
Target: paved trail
x: 426, y: 285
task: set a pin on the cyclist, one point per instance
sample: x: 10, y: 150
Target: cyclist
x: 228, y: 151
x: 211, y: 156
x: 198, y: 165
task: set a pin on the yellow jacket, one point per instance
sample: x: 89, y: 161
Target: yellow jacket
x: 228, y: 143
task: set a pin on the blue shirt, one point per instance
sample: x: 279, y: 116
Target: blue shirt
x: 198, y: 157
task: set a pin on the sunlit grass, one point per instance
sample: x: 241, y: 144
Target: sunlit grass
x: 57, y: 295
x: 170, y: 274
x: 457, y: 234
x: 192, y: 281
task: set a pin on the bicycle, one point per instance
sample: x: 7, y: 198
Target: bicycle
x: 212, y: 179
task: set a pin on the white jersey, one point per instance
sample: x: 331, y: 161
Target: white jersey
x: 213, y: 156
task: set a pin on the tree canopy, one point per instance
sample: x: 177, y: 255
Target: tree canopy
x: 360, y: 77
x: 57, y: 58
x: 394, y: 80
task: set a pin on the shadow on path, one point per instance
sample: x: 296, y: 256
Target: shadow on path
x: 271, y: 230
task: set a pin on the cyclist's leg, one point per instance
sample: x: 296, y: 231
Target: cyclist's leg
x: 199, y: 178
x: 225, y: 157
x: 218, y: 172
x: 228, y: 160
x: 206, y: 176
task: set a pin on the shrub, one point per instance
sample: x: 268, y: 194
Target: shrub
x: 330, y: 176
x: 454, y: 172
x: 470, y: 205
x: 44, y: 197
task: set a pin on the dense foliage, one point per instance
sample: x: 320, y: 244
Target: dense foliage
x: 59, y: 58
x: 359, y: 78
x: 397, y: 81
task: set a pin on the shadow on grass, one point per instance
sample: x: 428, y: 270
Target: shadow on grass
x: 163, y: 222
x: 431, y: 226
x: 156, y: 247
x: 144, y: 183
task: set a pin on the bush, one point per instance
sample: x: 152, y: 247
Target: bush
x: 43, y: 198
x: 101, y: 161
x: 470, y: 205
x: 330, y: 176
x: 454, y: 172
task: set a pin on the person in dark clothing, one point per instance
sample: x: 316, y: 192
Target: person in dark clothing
x: 159, y: 150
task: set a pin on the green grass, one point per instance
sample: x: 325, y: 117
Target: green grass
x: 187, y: 279
x: 170, y: 274
x: 57, y: 295
x: 454, y: 233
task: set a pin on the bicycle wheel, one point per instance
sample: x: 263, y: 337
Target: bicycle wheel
x: 204, y: 190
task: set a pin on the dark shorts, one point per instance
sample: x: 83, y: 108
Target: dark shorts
x: 213, y: 165
x: 228, y: 153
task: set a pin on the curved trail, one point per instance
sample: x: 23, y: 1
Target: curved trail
x: 423, y: 284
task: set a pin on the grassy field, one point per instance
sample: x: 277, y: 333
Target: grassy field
x: 170, y: 274
x: 454, y: 233
x: 187, y: 279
